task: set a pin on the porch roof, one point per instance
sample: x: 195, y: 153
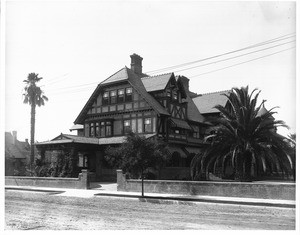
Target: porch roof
x: 181, y: 124
x: 65, y: 139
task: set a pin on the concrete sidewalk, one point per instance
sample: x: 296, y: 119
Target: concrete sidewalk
x: 109, y: 190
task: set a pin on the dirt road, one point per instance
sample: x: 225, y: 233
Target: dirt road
x: 43, y: 211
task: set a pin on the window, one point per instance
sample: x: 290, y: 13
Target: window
x: 82, y: 160
x: 105, y: 98
x: 97, y: 129
x: 92, y: 130
x: 133, y: 125
x: 175, y: 96
x: 128, y: 96
x: 105, y: 128
x: 169, y: 93
x: 127, y: 127
x: 108, y: 129
x: 120, y: 95
x: 140, y: 125
x: 113, y: 97
x: 147, y: 124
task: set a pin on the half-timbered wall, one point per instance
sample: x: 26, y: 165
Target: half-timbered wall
x: 117, y: 110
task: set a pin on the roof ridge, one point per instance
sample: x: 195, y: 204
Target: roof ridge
x: 155, y: 76
x: 213, y: 92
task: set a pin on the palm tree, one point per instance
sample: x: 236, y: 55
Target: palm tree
x: 33, y: 95
x: 244, y: 139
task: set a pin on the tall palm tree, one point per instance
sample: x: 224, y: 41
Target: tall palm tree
x: 34, y: 96
x: 244, y: 138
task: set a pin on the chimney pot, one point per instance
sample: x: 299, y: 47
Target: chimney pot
x: 136, y: 63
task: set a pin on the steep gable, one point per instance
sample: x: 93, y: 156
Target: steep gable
x: 122, y: 75
x: 206, y: 102
x: 156, y: 83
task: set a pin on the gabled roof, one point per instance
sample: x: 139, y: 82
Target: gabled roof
x: 134, y: 79
x: 117, y: 77
x: 156, y: 83
x: 206, y: 102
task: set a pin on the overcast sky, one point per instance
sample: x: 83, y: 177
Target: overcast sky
x: 74, y: 45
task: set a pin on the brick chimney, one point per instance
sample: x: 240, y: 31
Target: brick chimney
x: 185, y: 82
x: 136, y: 63
x: 14, y: 133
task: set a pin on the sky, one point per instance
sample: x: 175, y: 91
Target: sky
x: 74, y: 45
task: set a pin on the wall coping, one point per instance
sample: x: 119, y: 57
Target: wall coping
x: 41, y: 178
x: 215, y: 182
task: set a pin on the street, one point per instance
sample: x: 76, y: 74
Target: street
x: 45, y: 211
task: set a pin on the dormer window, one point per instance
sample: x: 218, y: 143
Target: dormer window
x: 128, y: 96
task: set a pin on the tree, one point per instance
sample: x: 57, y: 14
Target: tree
x: 34, y: 96
x: 243, y: 137
x: 136, y: 155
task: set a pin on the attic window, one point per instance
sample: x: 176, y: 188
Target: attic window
x: 128, y: 96
x: 105, y: 98
x: 113, y: 97
x: 121, y: 95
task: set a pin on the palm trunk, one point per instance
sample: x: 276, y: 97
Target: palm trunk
x: 32, y: 130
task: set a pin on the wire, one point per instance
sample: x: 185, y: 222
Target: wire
x: 241, y: 63
x: 284, y: 37
x: 218, y: 61
x: 55, y: 80
x: 62, y: 88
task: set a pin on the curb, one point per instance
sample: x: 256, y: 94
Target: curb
x: 184, y: 200
x: 35, y: 190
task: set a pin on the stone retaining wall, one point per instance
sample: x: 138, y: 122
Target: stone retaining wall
x: 266, y: 190
x: 81, y: 182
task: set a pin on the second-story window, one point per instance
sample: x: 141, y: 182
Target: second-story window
x: 127, y: 127
x: 102, y: 129
x: 128, y: 95
x: 120, y: 95
x: 105, y: 100
x: 97, y: 129
x: 113, y: 97
x: 92, y: 130
x: 147, y: 124
x: 105, y: 128
x: 108, y: 128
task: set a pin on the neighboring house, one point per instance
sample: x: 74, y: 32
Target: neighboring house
x: 16, y: 154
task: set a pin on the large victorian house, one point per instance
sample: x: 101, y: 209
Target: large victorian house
x: 159, y: 106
